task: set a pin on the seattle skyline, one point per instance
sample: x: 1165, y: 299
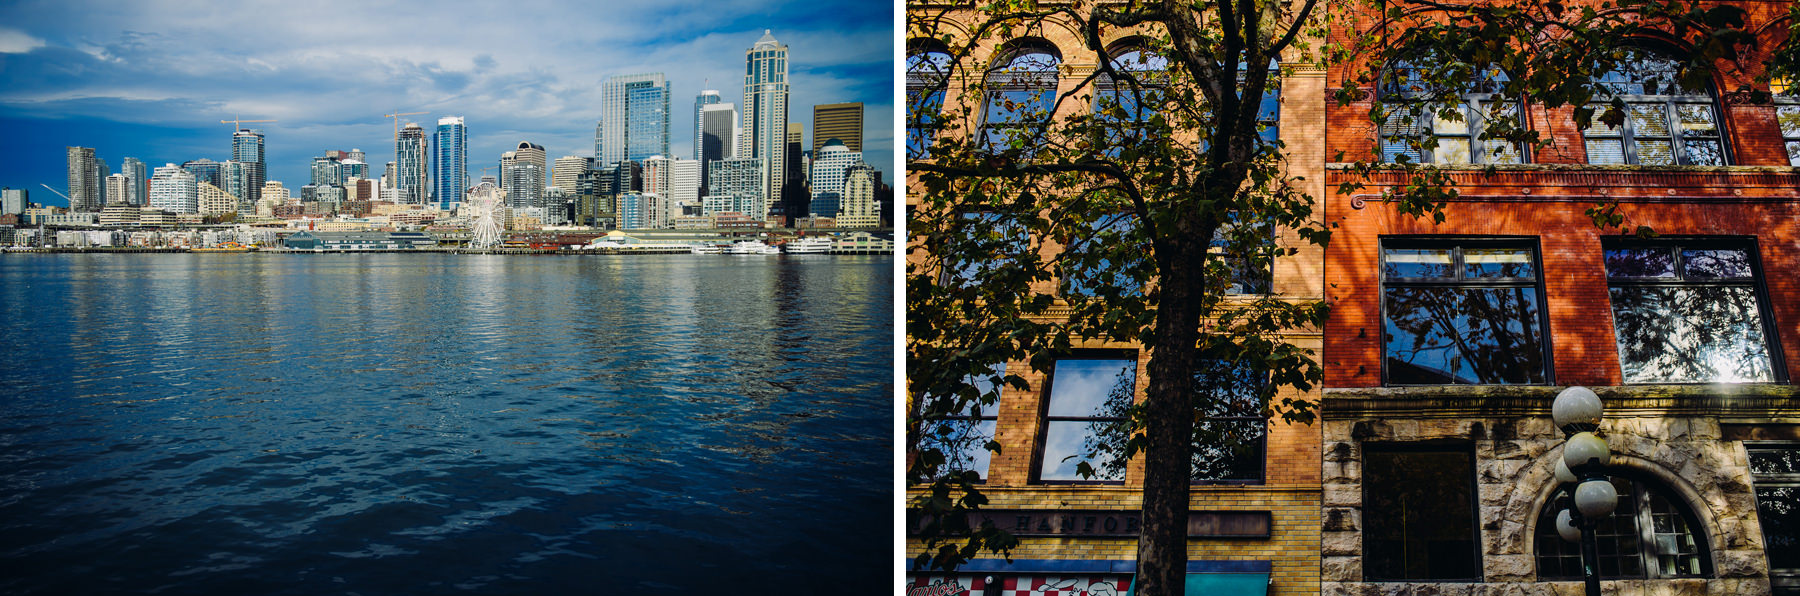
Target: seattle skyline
x: 151, y: 82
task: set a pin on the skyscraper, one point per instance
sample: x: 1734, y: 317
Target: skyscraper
x: 829, y: 166
x: 173, y: 189
x: 84, y: 187
x: 522, y: 172
x: 675, y: 181
x: 139, y: 174
x: 236, y: 184
x: 12, y: 201
x: 567, y: 171
x: 100, y: 174
x: 634, y: 118
x: 247, y: 147
x: 736, y: 186
x: 764, y: 131
x: 449, y: 161
x: 409, y: 165
x: 115, y: 189
x: 717, y: 126
x: 841, y: 121
x: 705, y: 98
x: 204, y: 170
x: 327, y: 171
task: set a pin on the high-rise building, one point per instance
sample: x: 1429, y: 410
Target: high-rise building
x: 327, y: 171
x: 388, y: 174
x: 449, y: 161
x: 357, y: 155
x: 717, y: 139
x: 84, y: 189
x: 858, y: 209
x: 640, y: 211
x: 675, y: 181
x: 795, y: 197
x: 204, y: 170
x: 13, y: 200
x: 353, y: 168
x: 841, y: 121
x: 567, y: 171
x: 410, y: 173
x: 522, y: 174
x: 735, y: 186
x: 100, y: 174
x: 705, y: 98
x: 634, y: 118
x: 116, y: 191
x: 137, y: 192
x: 213, y: 200
x: 763, y: 133
x: 274, y: 192
x: 247, y: 147
x: 236, y: 183
x: 828, y: 168
x: 172, y: 189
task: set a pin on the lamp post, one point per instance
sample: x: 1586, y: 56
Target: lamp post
x: 1577, y: 412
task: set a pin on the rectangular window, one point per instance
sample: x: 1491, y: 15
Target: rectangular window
x: 1462, y: 312
x: 963, y: 436
x: 1230, y: 430
x: 1085, y: 417
x: 1243, y: 255
x: 1458, y: 138
x: 1788, y: 115
x: 984, y: 240
x: 1775, y: 470
x: 1419, y: 515
x: 1085, y: 267
x: 1688, y: 311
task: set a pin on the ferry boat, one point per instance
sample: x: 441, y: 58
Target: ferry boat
x: 752, y: 247
x: 809, y: 246
x: 706, y: 249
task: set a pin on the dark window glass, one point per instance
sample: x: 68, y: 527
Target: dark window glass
x: 1462, y: 313
x: 963, y: 437
x: 1664, y: 124
x: 1788, y: 115
x: 1085, y: 419
x: 1021, y: 92
x: 1688, y: 314
x: 1649, y: 535
x: 1126, y: 109
x: 1230, y: 429
x: 1244, y: 254
x: 1419, y: 516
x: 1107, y: 234
x: 1775, y: 470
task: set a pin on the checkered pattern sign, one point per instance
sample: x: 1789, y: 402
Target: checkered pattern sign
x: 1020, y: 585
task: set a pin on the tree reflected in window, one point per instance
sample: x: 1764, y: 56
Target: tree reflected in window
x: 1687, y: 314
x: 963, y: 436
x: 1462, y: 314
x: 1088, y: 410
x: 1776, y: 473
x: 1021, y: 92
x: 1229, y: 428
x: 926, y: 75
x: 1664, y: 122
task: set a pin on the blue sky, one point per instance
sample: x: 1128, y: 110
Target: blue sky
x: 152, y: 79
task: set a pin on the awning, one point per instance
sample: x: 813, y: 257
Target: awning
x: 1227, y: 584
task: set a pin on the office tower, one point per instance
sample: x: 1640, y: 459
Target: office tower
x: 100, y: 174
x: 858, y: 209
x: 213, y: 200
x: 449, y: 161
x: 735, y: 185
x: 828, y: 168
x: 84, y: 188
x: 139, y: 174
x: 568, y: 170
x: 717, y: 139
x: 13, y: 200
x: 841, y: 121
x: 327, y: 171
x: 172, y: 189
x: 794, y: 197
x: 506, y: 162
x: 352, y: 168
x: 675, y: 181
x: 247, y: 147
x: 409, y: 165
x: 388, y: 175
x: 115, y: 189
x: 275, y: 192
x: 763, y: 133
x: 634, y: 118
x: 705, y: 98
x: 204, y: 170
x: 522, y: 175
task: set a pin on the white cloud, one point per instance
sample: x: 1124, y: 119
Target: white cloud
x: 18, y: 42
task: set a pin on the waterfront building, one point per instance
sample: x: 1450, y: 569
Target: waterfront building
x: 204, y: 170
x: 119, y: 214
x: 449, y: 161
x: 13, y: 201
x: 173, y: 189
x: 84, y: 188
x: 639, y: 211
x: 675, y: 181
x: 568, y: 169
x: 137, y: 192
x: 735, y: 185
x: 716, y: 135
x: 634, y: 118
x: 841, y: 121
x: 213, y: 200
x: 857, y: 208
x: 247, y: 148
x: 763, y: 131
x: 828, y: 168
x: 116, y: 185
x: 410, y: 157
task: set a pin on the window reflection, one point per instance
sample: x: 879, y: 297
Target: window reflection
x: 1664, y: 123
x: 1462, y: 315
x: 963, y: 436
x: 1085, y: 420
x: 1687, y: 314
x: 1230, y: 428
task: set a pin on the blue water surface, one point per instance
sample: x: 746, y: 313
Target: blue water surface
x: 421, y: 424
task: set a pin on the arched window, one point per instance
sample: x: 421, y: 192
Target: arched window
x: 927, y: 72
x: 1664, y: 123
x: 1787, y: 114
x: 1021, y: 92
x: 1123, y: 108
x: 1652, y: 534
x: 1427, y: 124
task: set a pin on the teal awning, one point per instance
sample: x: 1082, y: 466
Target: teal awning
x: 1227, y: 584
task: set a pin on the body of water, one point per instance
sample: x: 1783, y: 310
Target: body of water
x: 419, y: 424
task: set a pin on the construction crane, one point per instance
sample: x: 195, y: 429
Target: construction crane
x: 65, y: 197
x: 396, y: 118
x: 237, y: 124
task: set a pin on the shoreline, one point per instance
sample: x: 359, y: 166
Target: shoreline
x: 466, y: 251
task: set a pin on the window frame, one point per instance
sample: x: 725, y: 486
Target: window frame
x: 974, y: 417
x: 1262, y: 439
x: 1785, y: 581
x: 1675, y: 244
x: 1790, y: 138
x: 1643, y: 488
x: 1626, y: 133
x: 923, y: 111
x: 998, y: 221
x: 1040, y: 447
x: 1472, y: 103
x: 1452, y: 447
x: 1000, y: 79
x: 1457, y: 243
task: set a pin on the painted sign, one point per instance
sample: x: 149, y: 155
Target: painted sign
x: 1112, y: 524
x: 1019, y: 585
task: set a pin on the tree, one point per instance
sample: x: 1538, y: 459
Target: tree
x: 1040, y: 223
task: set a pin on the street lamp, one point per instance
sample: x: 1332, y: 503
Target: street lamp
x: 1577, y: 412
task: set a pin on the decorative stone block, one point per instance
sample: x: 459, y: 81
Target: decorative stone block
x: 1340, y: 569
x: 1514, y: 568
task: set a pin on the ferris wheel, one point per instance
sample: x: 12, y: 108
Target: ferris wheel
x: 484, y: 205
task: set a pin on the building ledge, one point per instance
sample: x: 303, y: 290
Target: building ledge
x: 1748, y: 402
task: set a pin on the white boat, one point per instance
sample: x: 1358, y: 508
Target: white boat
x: 750, y: 247
x: 809, y: 246
x: 706, y: 249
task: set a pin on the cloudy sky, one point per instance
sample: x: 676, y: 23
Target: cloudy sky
x: 151, y: 79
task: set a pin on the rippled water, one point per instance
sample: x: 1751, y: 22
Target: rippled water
x: 411, y: 424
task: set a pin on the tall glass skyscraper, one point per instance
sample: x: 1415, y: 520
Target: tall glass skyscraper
x: 409, y: 165
x: 247, y: 148
x: 634, y: 118
x: 449, y: 161
x: 763, y: 134
x: 137, y: 191
x: 705, y: 98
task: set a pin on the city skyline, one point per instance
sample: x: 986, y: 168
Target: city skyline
x: 142, y: 83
